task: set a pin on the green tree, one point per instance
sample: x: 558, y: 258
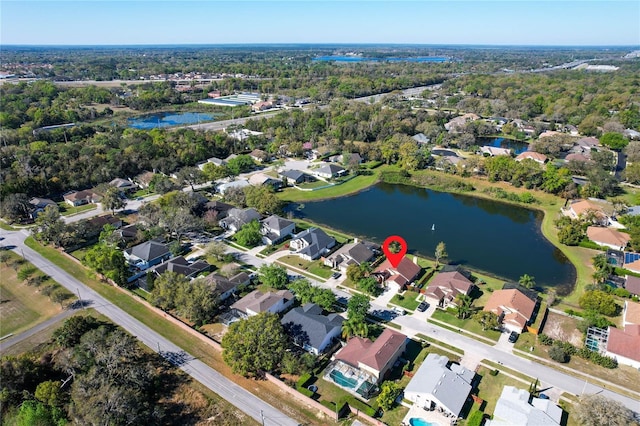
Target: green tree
x: 216, y: 249
x: 111, y: 200
x: 358, y: 306
x: 614, y: 140
x: 49, y: 227
x: 108, y: 261
x: 355, y: 327
x: 196, y: 302
x: 166, y: 288
x: 190, y: 176
x: 15, y: 207
x: 255, y: 344
x: 440, y: 253
x: 49, y: 393
x: 389, y: 392
x: 263, y: 199
x: 306, y: 293
x: 274, y: 276
x: 249, y: 235
x: 558, y: 353
x: 240, y: 164
x: 488, y: 320
x: 213, y: 172
x: 599, y: 301
x: 73, y: 329
x: 463, y: 305
x: 527, y: 281
x: 369, y: 285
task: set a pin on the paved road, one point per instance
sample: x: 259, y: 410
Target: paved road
x: 7, y: 343
x: 227, y: 389
x: 413, y: 325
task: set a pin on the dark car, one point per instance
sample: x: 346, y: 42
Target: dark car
x: 336, y: 275
x: 513, y: 337
x: 423, y: 306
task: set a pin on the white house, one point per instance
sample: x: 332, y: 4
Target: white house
x: 311, y: 243
x: 275, y: 229
x: 516, y: 407
x: 257, y: 302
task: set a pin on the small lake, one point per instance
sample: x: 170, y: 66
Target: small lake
x: 501, y: 239
x: 516, y: 146
x: 339, y: 58
x: 168, y: 119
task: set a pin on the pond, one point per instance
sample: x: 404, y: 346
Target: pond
x: 517, y: 147
x: 485, y: 235
x: 167, y: 119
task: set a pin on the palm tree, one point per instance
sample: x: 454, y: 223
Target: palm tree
x: 600, y: 276
x: 463, y: 305
x: 600, y: 262
x: 354, y: 327
x: 527, y: 281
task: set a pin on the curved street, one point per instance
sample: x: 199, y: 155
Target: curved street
x: 227, y: 389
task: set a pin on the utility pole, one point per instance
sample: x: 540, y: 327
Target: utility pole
x: 262, y: 417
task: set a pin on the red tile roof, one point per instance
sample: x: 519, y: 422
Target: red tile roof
x: 625, y: 342
x: 515, y: 305
x: 406, y: 268
x: 376, y: 355
x: 632, y: 284
x: 632, y: 313
x: 608, y: 236
x: 448, y: 284
x: 535, y: 156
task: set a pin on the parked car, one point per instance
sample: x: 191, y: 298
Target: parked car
x: 513, y: 337
x: 543, y: 396
x: 336, y: 275
x: 423, y: 306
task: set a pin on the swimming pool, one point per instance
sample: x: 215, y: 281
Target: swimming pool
x: 417, y: 421
x: 339, y: 378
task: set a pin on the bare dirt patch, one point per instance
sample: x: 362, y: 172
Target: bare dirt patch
x: 563, y: 328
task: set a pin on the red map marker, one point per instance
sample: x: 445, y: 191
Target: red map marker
x: 394, y: 258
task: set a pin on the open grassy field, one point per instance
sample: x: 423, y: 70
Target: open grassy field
x: 468, y: 324
x: 189, y: 343
x: 22, y: 306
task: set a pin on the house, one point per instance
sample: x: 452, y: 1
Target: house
x: 275, y: 229
x: 295, y: 176
x: 421, y: 138
x: 633, y: 266
x: 532, y: 155
x: 242, y: 134
x: 588, y: 143
x: 356, y: 253
x: 375, y: 358
x: 260, y: 179
x: 631, y: 313
x: 400, y: 276
x: 259, y: 155
x: 145, y: 255
x: 329, y: 171
x: 123, y: 184
x: 516, y: 407
x: 127, y: 233
x: 458, y: 124
x: 582, y: 207
x: 78, y: 198
x: 224, y: 287
x: 574, y: 156
x: 311, y: 243
x: 219, y: 162
x: 96, y: 224
x: 444, y: 287
x: 234, y: 184
x: 608, y: 237
x: 310, y: 329
x: 261, y: 106
x: 143, y: 180
x: 237, y: 218
x: 513, y: 307
x: 632, y: 285
x: 351, y: 158
x: 257, y: 302
x: 439, y: 384
x: 39, y: 204
x: 219, y: 209
x: 181, y: 266
x: 623, y: 344
x: 493, y: 151
x: 548, y: 134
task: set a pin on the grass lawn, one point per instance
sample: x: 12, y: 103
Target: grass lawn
x: 315, y: 267
x: 490, y: 387
x: 468, y: 324
x: 314, y: 184
x: 352, y: 186
x: 340, y: 237
x: 407, y: 300
x: 452, y: 349
x: 196, y: 347
x: 67, y: 210
x: 22, y: 306
x: 395, y: 415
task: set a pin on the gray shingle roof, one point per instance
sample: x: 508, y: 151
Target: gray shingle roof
x: 309, y: 325
x: 316, y: 239
x: 148, y: 250
x: 276, y: 223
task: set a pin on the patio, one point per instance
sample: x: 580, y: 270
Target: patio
x: 351, y: 379
x: 434, y: 418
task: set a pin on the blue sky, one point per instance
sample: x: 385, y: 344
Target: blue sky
x: 512, y: 22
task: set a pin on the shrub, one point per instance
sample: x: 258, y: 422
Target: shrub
x: 475, y: 419
x: 305, y: 392
x: 355, y: 403
x: 494, y: 372
x: 545, y: 340
x: 304, y: 379
x: 558, y: 354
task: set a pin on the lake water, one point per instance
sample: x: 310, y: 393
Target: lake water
x: 516, y: 146
x: 338, y: 58
x: 498, y: 238
x: 168, y: 119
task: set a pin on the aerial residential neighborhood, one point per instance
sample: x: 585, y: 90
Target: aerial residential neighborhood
x: 322, y: 231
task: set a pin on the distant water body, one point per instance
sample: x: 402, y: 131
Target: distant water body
x: 367, y: 59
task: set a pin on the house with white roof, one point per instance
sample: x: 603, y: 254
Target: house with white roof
x: 441, y: 385
x: 516, y: 407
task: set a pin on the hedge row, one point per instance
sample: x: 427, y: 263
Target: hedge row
x: 584, y: 353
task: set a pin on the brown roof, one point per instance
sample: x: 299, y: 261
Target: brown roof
x: 406, y: 268
x: 450, y: 284
x: 85, y: 194
x: 514, y: 304
x: 632, y: 313
x: 536, y: 156
x: 582, y: 206
x: 632, y: 284
x: 376, y: 355
x: 577, y: 157
x: 610, y: 236
x: 633, y: 267
x: 625, y: 342
x: 257, y: 301
x: 101, y: 221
